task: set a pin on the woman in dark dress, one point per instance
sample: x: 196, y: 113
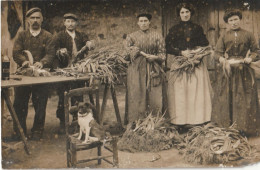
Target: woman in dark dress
x: 189, y: 100
x: 236, y: 99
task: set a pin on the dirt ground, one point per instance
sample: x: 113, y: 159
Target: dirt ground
x: 50, y: 152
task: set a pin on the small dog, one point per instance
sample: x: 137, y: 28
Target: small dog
x: 88, y: 125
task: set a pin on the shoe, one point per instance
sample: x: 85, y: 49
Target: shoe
x: 36, y: 136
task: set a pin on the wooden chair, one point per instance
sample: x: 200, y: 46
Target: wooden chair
x: 73, y: 145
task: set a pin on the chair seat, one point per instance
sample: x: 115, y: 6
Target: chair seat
x: 82, y: 146
x: 73, y: 145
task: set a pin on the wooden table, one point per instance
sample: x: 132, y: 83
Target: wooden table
x: 18, y: 81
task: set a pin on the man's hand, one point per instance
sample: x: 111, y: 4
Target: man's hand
x: 62, y: 51
x: 90, y: 45
x: 247, y: 60
x: 38, y: 65
x: 25, y: 64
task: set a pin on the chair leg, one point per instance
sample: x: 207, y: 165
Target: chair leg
x: 99, y: 154
x: 73, y: 155
x: 115, y: 152
x: 68, y: 153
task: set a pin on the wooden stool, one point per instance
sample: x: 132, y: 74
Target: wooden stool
x: 73, y: 145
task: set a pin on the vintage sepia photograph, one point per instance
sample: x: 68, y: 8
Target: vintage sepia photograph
x: 130, y: 84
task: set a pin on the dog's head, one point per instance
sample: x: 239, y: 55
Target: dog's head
x: 85, y: 109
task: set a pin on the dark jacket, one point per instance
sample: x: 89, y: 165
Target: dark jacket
x: 183, y: 36
x: 64, y: 40
x: 39, y: 47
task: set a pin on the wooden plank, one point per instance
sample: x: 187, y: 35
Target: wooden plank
x: 66, y: 110
x: 97, y: 105
x: 73, y: 155
x: 256, y: 19
x: 171, y: 18
x: 113, y: 94
x: 104, y: 103
x: 99, y: 154
x: 82, y: 91
x: 28, y: 81
x: 108, y: 161
x: 221, y: 22
x: 202, y: 15
x: 68, y: 149
x: 115, y: 152
x: 216, y: 20
x: 126, y: 107
x: 212, y: 24
x: 107, y: 148
x: 92, y: 159
x: 247, y: 20
x: 210, y: 32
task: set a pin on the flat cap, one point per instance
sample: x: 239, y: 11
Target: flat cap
x: 147, y: 15
x: 231, y: 12
x: 70, y: 16
x: 32, y: 10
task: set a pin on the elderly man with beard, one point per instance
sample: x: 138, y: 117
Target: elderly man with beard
x: 37, y: 41
x: 70, y: 46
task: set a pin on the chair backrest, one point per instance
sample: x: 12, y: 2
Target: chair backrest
x: 81, y: 92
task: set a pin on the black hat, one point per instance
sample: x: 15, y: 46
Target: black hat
x: 32, y: 10
x: 148, y: 16
x: 70, y: 16
x: 231, y: 12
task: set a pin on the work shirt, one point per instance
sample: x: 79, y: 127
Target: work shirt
x: 64, y: 40
x: 39, y: 46
x: 236, y: 44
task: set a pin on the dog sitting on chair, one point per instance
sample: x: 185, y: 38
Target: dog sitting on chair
x: 88, y: 125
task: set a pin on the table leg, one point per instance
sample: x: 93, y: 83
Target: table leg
x: 126, y: 107
x: 104, y: 103
x: 15, y: 119
x: 113, y: 93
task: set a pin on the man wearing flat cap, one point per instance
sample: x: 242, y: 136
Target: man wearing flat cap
x: 70, y: 46
x: 144, y: 79
x: 37, y: 41
x: 236, y: 97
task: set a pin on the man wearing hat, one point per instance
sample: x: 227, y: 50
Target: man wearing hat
x: 37, y: 41
x: 236, y: 97
x: 144, y: 80
x: 70, y: 46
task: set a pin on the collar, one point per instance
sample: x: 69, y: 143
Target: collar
x: 145, y: 31
x: 72, y: 34
x: 35, y: 32
x: 186, y: 22
x: 238, y: 29
x: 85, y: 115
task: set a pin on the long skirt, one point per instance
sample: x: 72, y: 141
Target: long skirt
x: 236, y: 100
x: 189, y: 97
x: 138, y: 98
